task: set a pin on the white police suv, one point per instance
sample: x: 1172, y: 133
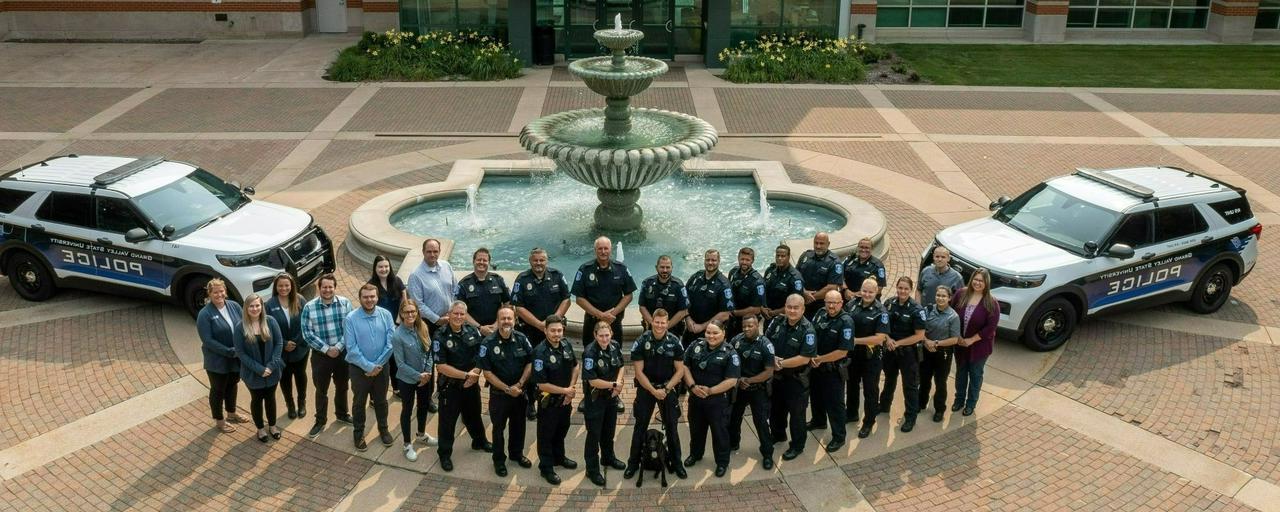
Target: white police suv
x: 1105, y: 240
x: 148, y: 227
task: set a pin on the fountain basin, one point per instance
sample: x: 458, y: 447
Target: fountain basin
x: 603, y: 77
x: 658, y: 142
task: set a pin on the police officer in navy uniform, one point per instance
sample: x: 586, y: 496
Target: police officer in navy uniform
x: 870, y: 330
x: 834, y: 330
x: 506, y: 358
x: 858, y: 267
x: 941, y: 334
x: 664, y: 291
x: 710, y: 297
x: 748, y: 290
x: 756, y: 353
x: 794, y: 346
x: 713, y: 371
x: 903, y: 355
x: 602, y: 378
x: 822, y: 272
x: 658, y: 358
x: 603, y: 288
x: 538, y: 293
x: 781, y: 280
x: 484, y: 293
x: 556, y: 371
x: 455, y: 348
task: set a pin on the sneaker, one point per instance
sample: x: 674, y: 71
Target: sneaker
x: 361, y: 445
x: 315, y: 430
x: 385, y: 437
x: 428, y: 439
x: 410, y: 453
x: 345, y: 418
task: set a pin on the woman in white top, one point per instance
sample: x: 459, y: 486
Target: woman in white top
x: 217, y: 323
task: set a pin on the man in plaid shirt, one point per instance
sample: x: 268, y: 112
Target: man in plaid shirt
x: 322, y: 331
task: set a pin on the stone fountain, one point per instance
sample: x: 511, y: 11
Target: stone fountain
x: 618, y: 149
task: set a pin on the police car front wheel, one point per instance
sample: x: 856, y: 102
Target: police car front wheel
x: 1051, y: 325
x: 1213, y: 289
x: 30, y: 278
x: 194, y: 296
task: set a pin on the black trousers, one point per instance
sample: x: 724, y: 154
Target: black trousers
x: 414, y: 397
x: 711, y: 413
x: 602, y: 422
x: 787, y: 408
x: 506, y: 412
x: 326, y: 370
x: 263, y: 402
x: 669, y: 414
x: 363, y: 388
x: 864, y: 373
x: 934, y: 370
x: 827, y: 388
x: 905, y: 361
x: 553, y: 427
x: 589, y: 329
x: 758, y: 400
x: 390, y: 370
x: 455, y: 401
x: 294, y: 376
x: 222, y: 392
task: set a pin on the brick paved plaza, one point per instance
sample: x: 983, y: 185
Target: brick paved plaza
x: 104, y: 398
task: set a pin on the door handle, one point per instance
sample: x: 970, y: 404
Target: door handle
x: 593, y: 24
x: 668, y: 25
x: 1206, y: 239
x: 1148, y: 256
x: 38, y: 228
x: 105, y: 241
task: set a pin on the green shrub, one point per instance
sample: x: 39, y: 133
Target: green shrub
x: 395, y: 55
x: 799, y: 58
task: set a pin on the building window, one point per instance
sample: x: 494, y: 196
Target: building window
x: 1268, y: 15
x: 749, y: 19
x: 488, y: 17
x: 1158, y: 14
x: 949, y: 13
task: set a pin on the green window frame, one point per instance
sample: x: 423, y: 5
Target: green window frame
x: 750, y: 19
x: 949, y: 13
x: 488, y: 17
x: 1268, y: 15
x: 1139, y: 14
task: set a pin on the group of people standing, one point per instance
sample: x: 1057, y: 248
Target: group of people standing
x: 805, y: 340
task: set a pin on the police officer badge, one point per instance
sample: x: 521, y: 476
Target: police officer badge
x: 591, y: 277
x: 647, y: 347
x: 528, y: 286
x: 497, y: 351
x: 471, y: 287
x: 449, y: 344
x: 697, y: 349
x: 553, y: 359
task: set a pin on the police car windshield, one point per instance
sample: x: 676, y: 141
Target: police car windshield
x: 1056, y: 218
x: 191, y: 202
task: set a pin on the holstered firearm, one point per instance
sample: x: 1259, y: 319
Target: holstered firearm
x: 842, y: 366
x: 446, y: 385
x: 547, y: 400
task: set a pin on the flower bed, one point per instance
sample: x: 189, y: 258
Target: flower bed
x: 799, y: 57
x: 395, y: 55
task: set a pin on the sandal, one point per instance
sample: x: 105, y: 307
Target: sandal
x: 261, y: 436
x: 225, y: 428
x: 236, y: 418
x: 275, y: 433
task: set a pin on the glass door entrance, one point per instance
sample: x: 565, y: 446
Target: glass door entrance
x: 655, y: 17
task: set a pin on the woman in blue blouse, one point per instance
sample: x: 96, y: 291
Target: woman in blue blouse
x: 217, y: 323
x: 259, y: 344
x: 411, y: 345
x: 285, y: 306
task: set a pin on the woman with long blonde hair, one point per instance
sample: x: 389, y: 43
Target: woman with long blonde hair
x: 259, y: 343
x: 411, y: 346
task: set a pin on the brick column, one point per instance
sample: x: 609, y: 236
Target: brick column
x: 1045, y: 21
x: 1231, y: 21
x: 863, y: 12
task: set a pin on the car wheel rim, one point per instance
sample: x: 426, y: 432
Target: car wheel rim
x: 1213, y: 288
x: 28, y: 277
x: 1051, y: 325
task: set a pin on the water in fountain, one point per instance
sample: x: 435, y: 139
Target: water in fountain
x: 762, y: 219
x: 472, y: 219
x: 618, y: 254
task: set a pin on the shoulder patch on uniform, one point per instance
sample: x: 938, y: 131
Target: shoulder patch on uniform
x: 923, y: 315
x: 728, y: 293
x: 799, y: 285
x: 884, y: 318
x: 483, y: 349
x: 839, y: 268
x: 537, y: 365
x: 435, y: 346
x: 808, y: 339
x: 759, y: 289
x: 848, y: 333
x: 577, y: 277
x: 684, y: 292
x: 589, y: 363
x: 769, y: 344
x: 734, y: 357
x: 880, y: 272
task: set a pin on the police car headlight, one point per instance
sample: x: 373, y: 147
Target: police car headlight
x: 1017, y: 281
x: 266, y: 258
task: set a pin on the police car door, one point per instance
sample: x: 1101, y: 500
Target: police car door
x: 1115, y: 283
x: 141, y: 263
x: 63, y: 232
x: 1167, y: 262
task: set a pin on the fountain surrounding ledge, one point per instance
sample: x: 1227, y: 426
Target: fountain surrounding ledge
x: 618, y: 149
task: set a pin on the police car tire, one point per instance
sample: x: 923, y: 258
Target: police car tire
x: 194, y: 295
x: 1065, y: 317
x: 1220, y: 278
x: 35, y: 272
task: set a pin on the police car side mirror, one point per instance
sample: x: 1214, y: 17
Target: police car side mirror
x: 998, y: 203
x: 1120, y: 251
x: 136, y: 235
x: 248, y: 191
x: 167, y: 230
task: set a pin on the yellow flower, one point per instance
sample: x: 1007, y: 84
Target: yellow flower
x: 828, y: 66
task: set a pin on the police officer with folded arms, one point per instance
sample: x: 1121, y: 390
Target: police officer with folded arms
x: 538, y: 293
x: 756, y: 353
x: 506, y: 358
x: 602, y: 378
x: 556, y: 371
x: 455, y: 348
x: 858, y: 267
x: 658, y: 360
x: 781, y: 280
x: 664, y: 291
x: 822, y: 272
x: 710, y: 297
x: 903, y: 351
x: 712, y: 372
x: 794, y: 344
x: 603, y: 288
x: 941, y: 335
x: 748, y: 290
x: 870, y: 330
x: 834, y: 330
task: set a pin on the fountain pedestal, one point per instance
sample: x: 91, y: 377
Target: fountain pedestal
x: 618, y: 210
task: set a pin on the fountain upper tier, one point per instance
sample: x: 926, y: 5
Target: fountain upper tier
x: 604, y: 76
